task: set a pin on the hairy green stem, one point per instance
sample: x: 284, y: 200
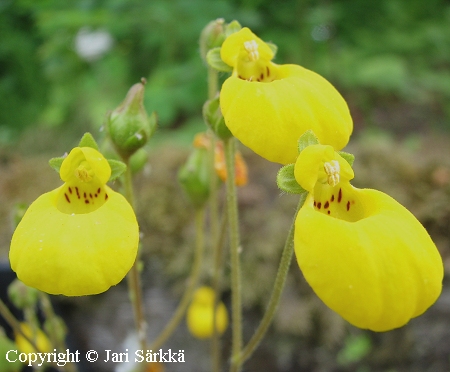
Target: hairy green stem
x: 278, y: 287
x: 218, y: 262
x: 191, y: 285
x: 233, y: 221
x: 134, y: 279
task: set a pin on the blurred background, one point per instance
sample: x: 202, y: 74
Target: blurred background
x: 64, y: 65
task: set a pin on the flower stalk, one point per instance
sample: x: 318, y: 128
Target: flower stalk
x: 233, y: 221
x: 191, y: 284
x: 280, y: 280
x: 134, y: 280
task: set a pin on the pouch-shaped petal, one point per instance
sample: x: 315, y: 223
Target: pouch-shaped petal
x: 200, y: 314
x: 367, y: 257
x: 268, y: 106
x: 80, y: 238
x: 75, y: 254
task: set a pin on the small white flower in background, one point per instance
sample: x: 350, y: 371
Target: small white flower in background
x: 91, y: 45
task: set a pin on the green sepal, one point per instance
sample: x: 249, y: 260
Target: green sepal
x: 214, y: 119
x: 273, y: 47
x: 117, y: 168
x: 350, y: 158
x: 215, y: 61
x: 88, y: 141
x: 286, y: 180
x: 307, y: 139
x: 56, y: 163
x: 232, y: 27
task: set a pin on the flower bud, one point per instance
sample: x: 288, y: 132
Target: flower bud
x: 212, y: 36
x: 129, y: 125
x: 194, y: 177
x: 214, y: 118
x: 21, y: 295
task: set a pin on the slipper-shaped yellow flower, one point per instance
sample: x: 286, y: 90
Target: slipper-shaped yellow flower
x: 80, y: 238
x: 200, y: 314
x: 269, y: 106
x: 365, y: 255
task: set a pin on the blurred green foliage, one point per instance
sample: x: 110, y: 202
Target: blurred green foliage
x: 374, y: 51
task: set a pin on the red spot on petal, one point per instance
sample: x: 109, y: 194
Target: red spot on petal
x: 95, y: 195
x: 84, y: 194
x: 319, y: 205
x: 70, y: 190
x: 332, y: 198
x: 348, y: 205
x: 86, y: 201
x: 90, y: 195
x: 67, y: 198
x: 326, y: 205
x: 106, y: 196
x: 328, y: 212
x: 98, y: 191
x: 340, y: 195
x: 78, y: 193
x: 315, y: 203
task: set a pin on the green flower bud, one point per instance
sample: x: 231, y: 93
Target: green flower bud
x: 212, y: 36
x: 129, y: 126
x: 194, y: 177
x: 214, y: 118
x: 21, y: 295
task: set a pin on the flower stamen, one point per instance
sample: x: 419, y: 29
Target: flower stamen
x: 84, y: 172
x: 332, y: 170
x: 252, y: 49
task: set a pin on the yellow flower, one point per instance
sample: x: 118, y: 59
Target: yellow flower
x: 200, y: 314
x: 365, y: 255
x: 80, y: 238
x: 269, y: 106
x: 40, y: 339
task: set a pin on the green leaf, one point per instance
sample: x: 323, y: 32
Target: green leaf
x: 88, y: 141
x: 117, y: 168
x: 355, y: 348
x: 232, y: 27
x: 55, y: 163
x: 307, y: 139
x: 286, y: 180
x: 215, y: 61
x: 350, y: 158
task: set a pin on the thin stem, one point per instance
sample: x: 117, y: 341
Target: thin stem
x: 236, y: 301
x: 191, y: 286
x: 56, y: 337
x: 134, y: 280
x: 218, y: 261
x: 15, y: 324
x: 213, y: 82
x: 278, y: 287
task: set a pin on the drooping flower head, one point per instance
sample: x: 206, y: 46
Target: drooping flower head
x: 365, y: 255
x: 269, y: 106
x: 80, y: 238
x: 200, y: 314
